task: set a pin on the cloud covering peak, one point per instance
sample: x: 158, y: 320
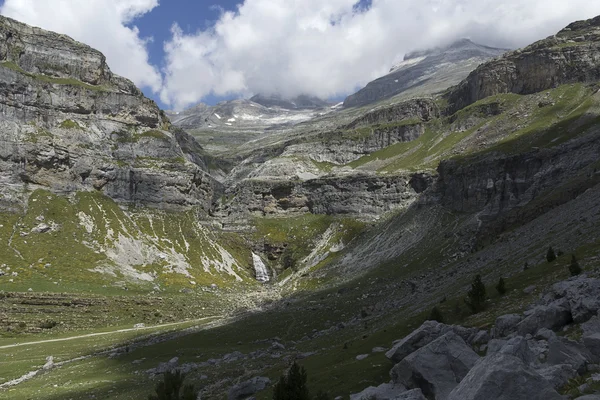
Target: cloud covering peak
x: 323, y: 48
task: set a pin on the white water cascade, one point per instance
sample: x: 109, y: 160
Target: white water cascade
x: 262, y: 274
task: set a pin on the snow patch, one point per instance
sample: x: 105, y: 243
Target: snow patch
x: 217, y: 115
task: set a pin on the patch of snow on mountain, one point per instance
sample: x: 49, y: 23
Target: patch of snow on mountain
x: 217, y: 115
x: 407, y: 63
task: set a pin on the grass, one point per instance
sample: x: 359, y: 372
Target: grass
x: 69, y: 124
x: 53, y: 80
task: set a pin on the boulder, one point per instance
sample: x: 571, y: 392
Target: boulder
x: 558, y: 375
x: 583, y: 295
x: 495, y: 345
x: 553, y: 316
x: 386, y: 391
x: 415, y: 394
x: 506, y: 324
x: 589, y: 397
x: 248, y: 388
x: 591, y: 337
x: 425, y: 334
x: 519, y: 348
x: 545, y: 334
x: 565, y: 351
x: 503, y: 377
x: 437, y: 367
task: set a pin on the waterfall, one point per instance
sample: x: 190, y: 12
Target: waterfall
x: 262, y: 274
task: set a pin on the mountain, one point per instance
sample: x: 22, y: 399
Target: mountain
x: 128, y: 248
x: 301, y: 102
x: 425, y: 72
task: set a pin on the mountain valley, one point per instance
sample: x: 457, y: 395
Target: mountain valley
x: 231, y: 240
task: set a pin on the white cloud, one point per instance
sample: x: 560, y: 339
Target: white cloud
x: 292, y: 46
x: 100, y: 24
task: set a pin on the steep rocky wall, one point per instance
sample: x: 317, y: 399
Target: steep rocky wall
x: 570, y: 56
x: 69, y: 124
x: 364, y: 196
x: 418, y: 109
x: 495, y: 185
x: 341, y: 148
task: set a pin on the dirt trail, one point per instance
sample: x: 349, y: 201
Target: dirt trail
x: 108, y: 333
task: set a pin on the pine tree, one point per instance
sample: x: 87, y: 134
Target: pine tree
x: 501, y: 287
x: 574, y: 268
x: 170, y: 388
x: 476, y: 296
x: 293, y: 385
x: 550, y: 256
x: 436, y: 315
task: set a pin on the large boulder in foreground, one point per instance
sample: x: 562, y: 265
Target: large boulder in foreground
x: 425, y: 334
x: 583, y: 295
x: 503, y: 377
x: 437, y: 367
x: 553, y: 316
x: 591, y: 337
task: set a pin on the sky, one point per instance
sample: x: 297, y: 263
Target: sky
x: 182, y: 52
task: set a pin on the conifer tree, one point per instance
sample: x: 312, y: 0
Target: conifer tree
x: 436, y: 315
x: 550, y: 255
x: 501, y: 287
x: 292, y: 386
x: 170, y: 388
x: 574, y: 267
x: 476, y: 296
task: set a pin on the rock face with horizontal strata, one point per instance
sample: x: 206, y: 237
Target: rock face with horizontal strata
x: 70, y: 124
x: 568, y: 57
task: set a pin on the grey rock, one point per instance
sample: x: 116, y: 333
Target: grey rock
x: 503, y: 377
x: 540, y: 66
x: 361, y: 357
x: 248, y: 388
x: 545, y: 334
x: 415, y: 394
x: 425, y: 334
x: 385, y: 391
x: 591, y: 337
x: 506, y: 324
x: 558, y: 375
x: 379, y: 350
x: 519, y: 348
x: 529, y: 289
x: 589, y: 397
x: 436, y: 368
x: 553, y: 316
x: 495, y: 345
x: 565, y: 351
x: 480, y: 337
x: 583, y: 295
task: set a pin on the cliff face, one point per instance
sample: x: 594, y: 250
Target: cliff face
x: 570, y: 56
x: 69, y: 124
x: 363, y: 196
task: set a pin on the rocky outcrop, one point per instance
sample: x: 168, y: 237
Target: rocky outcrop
x: 367, y: 196
x: 495, y: 184
x: 503, y: 377
x: 245, y: 390
x: 425, y: 72
x: 437, y: 367
x: 416, y: 109
x: 570, y: 56
x: 69, y: 124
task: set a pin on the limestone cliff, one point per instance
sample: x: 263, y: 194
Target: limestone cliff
x: 68, y: 123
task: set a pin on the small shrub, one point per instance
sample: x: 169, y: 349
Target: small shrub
x: 526, y: 266
x: 171, y: 388
x: 48, y: 324
x: 574, y: 267
x: 550, y: 255
x: 476, y: 296
x: 436, y: 315
x: 501, y: 287
x: 292, y: 386
x: 68, y: 124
